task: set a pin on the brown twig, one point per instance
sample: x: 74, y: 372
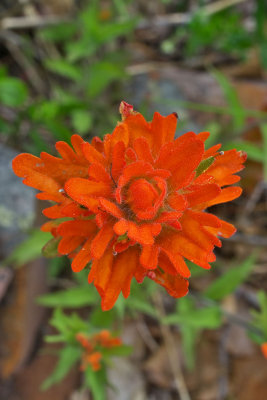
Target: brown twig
x: 185, y: 18
x: 250, y: 240
x: 255, y: 197
x: 146, y: 335
x: 143, y: 68
x: 14, y: 8
x: 223, y: 383
x: 32, y: 21
x: 170, y: 346
x: 249, y: 296
x: 36, y: 21
x: 13, y: 47
x: 220, y: 5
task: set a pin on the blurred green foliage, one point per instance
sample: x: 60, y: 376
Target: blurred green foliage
x: 217, y: 32
x: 223, y: 32
x: 194, y: 314
x: 68, y: 326
x: 192, y: 320
x: 72, y: 298
x: 231, y: 279
x: 82, y: 63
x: 30, y: 249
x: 260, y: 319
x: 13, y: 91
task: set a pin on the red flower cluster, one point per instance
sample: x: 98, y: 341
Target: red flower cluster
x: 93, y: 345
x: 264, y: 349
x: 135, y: 202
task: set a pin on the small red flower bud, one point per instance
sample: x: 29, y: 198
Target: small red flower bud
x: 125, y: 109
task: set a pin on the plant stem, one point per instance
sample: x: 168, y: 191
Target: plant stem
x: 170, y: 346
x: 264, y: 138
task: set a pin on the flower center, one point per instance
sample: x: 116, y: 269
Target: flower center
x: 142, y: 195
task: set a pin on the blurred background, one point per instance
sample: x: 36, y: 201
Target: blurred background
x: 65, y: 65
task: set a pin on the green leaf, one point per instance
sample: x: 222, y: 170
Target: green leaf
x: 50, y: 248
x: 260, y: 17
x: 59, y: 130
x: 102, y: 319
x: 101, y: 75
x: 235, y: 107
x: 81, y: 277
x: 208, y: 318
x: 192, y: 320
x: 203, y: 318
x: 96, y: 381
x: 45, y: 110
x: 260, y: 317
x: 253, y: 151
x: 83, y: 48
x: 189, y: 338
x: 109, y: 31
x: 65, y: 69
x: 75, y: 297
x: 89, y: 18
x: 231, y: 279
x: 190, y: 315
x: 120, y: 307
x: 3, y: 71
x: 195, y: 270
x: 263, y: 53
x: 215, y: 129
x: 56, y: 267
x: 13, y: 92
x: 262, y: 296
x: 66, y: 99
x: 38, y: 142
x: 122, y: 351
x: 82, y: 121
x: 264, y: 137
x: 257, y: 337
x: 121, y: 7
x: 60, y: 32
x: 30, y: 249
x: 141, y: 305
x: 67, y: 358
x: 54, y: 338
x: 101, y: 31
x: 204, y: 165
x: 5, y: 128
x: 68, y: 325
x: 122, y: 237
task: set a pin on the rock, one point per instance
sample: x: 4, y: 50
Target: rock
x: 16, y: 204
x: 127, y: 381
x: 165, y: 89
x: 238, y: 344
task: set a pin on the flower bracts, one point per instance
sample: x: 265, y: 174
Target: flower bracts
x: 134, y: 204
x: 94, y: 346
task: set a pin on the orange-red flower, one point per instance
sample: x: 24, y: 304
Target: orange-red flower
x: 92, y: 346
x: 135, y: 202
x: 264, y: 349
